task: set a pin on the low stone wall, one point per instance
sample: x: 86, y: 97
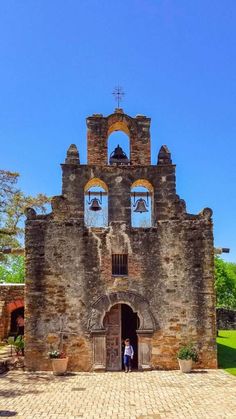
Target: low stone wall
x: 11, y: 298
x: 226, y: 319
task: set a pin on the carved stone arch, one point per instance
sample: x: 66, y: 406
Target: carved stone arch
x: 121, y: 122
x: 144, y: 183
x: 137, y: 302
x: 13, y: 305
x: 147, y: 326
x: 95, y: 182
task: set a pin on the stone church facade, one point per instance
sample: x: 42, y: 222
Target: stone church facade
x: 88, y: 288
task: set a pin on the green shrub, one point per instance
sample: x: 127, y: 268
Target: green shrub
x: 187, y: 352
x: 17, y: 343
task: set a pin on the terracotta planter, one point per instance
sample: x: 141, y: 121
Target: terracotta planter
x: 59, y: 365
x: 185, y: 365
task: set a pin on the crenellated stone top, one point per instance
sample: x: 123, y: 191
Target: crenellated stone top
x: 72, y: 156
x: 164, y: 156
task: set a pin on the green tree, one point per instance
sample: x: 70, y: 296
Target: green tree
x: 12, y: 270
x: 8, y: 182
x: 13, y: 203
x: 225, y: 283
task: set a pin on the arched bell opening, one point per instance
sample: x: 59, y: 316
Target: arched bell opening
x: 96, y: 204
x: 118, y: 148
x: 141, y: 204
x: 121, y: 323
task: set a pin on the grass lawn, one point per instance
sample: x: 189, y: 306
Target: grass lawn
x: 226, y: 343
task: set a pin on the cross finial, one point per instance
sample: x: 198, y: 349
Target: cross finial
x: 118, y: 93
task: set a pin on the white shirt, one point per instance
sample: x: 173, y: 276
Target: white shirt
x: 129, y: 350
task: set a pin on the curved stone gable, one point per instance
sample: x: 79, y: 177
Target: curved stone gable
x: 137, y: 302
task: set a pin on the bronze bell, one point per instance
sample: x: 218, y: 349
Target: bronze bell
x: 141, y: 206
x: 118, y: 156
x: 95, y: 206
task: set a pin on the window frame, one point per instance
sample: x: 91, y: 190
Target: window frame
x: 119, y: 264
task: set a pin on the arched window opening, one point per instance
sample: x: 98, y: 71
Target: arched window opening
x: 96, y: 204
x: 141, y: 204
x: 118, y: 148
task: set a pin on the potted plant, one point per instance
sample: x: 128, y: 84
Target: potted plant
x: 59, y: 362
x: 186, y: 355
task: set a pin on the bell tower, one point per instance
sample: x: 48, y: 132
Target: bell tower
x: 100, y: 127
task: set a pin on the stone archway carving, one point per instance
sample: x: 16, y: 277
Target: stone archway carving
x: 146, y: 328
x: 138, y: 304
x: 121, y: 122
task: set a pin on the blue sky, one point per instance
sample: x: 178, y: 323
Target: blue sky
x: 60, y: 60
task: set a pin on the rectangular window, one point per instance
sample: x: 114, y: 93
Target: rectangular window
x: 119, y: 264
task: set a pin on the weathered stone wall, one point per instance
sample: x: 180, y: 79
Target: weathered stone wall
x: 226, y: 319
x: 69, y: 281
x: 11, y: 298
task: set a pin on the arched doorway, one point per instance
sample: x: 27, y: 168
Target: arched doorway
x: 146, y: 326
x: 121, y: 322
x: 14, y: 314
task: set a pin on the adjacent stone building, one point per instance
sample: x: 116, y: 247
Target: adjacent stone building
x: 88, y: 288
x: 11, y: 306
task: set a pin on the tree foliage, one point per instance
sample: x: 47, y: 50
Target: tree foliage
x: 13, y: 203
x: 225, y: 283
x: 12, y: 269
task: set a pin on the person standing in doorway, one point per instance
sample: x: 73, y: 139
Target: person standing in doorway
x: 128, y: 355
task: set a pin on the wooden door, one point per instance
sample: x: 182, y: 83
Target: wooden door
x: 112, y: 324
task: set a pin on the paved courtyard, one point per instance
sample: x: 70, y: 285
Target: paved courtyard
x: 148, y: 395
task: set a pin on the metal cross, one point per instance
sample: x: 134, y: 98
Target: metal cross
x: 118, y: 93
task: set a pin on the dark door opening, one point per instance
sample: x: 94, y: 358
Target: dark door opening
x: 17, y: 312
x: 129, y: 325
x: 121, y: 323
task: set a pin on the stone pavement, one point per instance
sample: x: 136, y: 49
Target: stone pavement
x: 136, y: 395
